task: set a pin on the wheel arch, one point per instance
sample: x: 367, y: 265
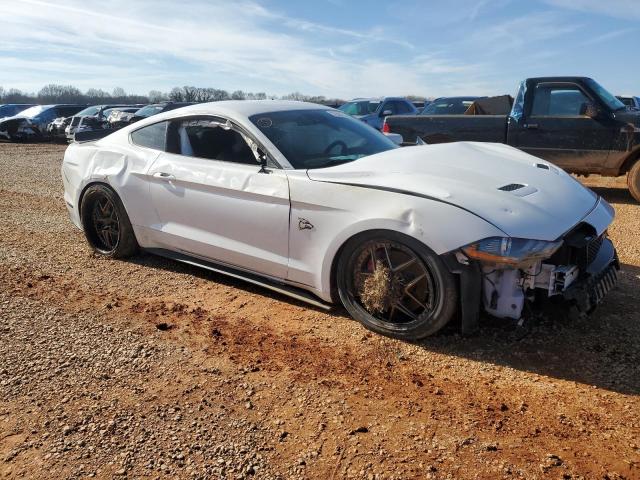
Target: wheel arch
x: 630, y: 160
x: 336, y: 257
x: 91, y: 184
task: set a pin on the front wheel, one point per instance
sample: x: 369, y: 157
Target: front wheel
x: 106, y: 223
x: 395, y: 285
x: 633, y: 180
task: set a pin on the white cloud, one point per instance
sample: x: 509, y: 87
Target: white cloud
x: 605, y: 37
x: 625, y: 9
x: 521, y: 32
x: 157, y: 44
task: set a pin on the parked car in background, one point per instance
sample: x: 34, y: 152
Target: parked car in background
x: 156, y: 108
x: 448, y: 106
x: 373, y: 111
x: 119, y: 117
x: 32, y: 123
x: 93, y: 117
x: 308, y: 201
x: 572, y: 122
x: 630, y: 101
x: 57, y: 128
x: 12, y: 109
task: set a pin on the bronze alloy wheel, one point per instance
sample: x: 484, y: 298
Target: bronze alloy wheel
x: 392, y: 283
x: 395, y: 285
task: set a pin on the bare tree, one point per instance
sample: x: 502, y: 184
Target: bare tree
x: 156, y: 96
x: 190, y: 93
x: 296, y: 96
x: 176, y: 95
x: 13, y: 95
x: 53, y: 93
x: 69, y: 94
x: 238, y: 95
x: 119, y: 92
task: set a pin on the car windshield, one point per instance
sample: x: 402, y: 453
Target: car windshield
x: 89, y: 111
x: 447, y: 106
x: 149, y: 110
x: 320, y: 138
x: 33, y: 111
x: 612, y: 102
x: 364, y: 107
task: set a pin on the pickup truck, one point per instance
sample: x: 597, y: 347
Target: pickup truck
x: 572, y: 122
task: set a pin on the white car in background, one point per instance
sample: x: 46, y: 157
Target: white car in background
x: 305, y: 200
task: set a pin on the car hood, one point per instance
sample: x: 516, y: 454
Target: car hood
x: 5, y: 122
x: 470, y: 175
x: 15, y: 117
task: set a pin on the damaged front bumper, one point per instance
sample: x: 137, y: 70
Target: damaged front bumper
x: 575, y: 279
x: 577, y: 276
x: 601, y: 277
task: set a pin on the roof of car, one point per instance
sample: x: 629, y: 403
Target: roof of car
x: 247, y: 107
x: 557, y: 79
x: 376, y: 99
x: 457, y: 98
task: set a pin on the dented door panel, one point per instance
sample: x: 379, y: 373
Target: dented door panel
x: 227, y: 212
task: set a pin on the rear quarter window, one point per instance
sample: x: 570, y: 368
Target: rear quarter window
x: 152, y: 136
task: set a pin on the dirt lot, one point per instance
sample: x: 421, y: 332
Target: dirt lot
x: 148, y: 368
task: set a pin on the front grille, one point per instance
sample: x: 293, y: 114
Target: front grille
x: 590, y: 252
x: 581, y: 247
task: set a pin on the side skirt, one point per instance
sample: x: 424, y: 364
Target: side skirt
x: 283, y: 288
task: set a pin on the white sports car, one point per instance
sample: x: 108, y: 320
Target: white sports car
x: 308, y: 201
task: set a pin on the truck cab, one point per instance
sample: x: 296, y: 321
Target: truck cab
x: 574, y: 123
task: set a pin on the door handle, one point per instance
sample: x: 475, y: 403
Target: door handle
x: 531, y: 126
x: 164, y: 176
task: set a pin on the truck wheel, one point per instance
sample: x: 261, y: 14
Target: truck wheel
x: 633, y: 180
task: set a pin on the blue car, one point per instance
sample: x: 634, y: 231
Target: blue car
x: 373, y: 111
x: 12, y: 109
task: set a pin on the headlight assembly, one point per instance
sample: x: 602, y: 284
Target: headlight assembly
x: 511, y: 251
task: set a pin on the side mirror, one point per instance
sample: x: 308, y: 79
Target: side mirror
x: 386, y: 113
x: 264, y: 161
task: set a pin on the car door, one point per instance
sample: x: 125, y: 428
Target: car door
x: 213, y: 199
x: 557, y: 129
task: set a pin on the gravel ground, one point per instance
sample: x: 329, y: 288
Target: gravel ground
x: 149, y: 368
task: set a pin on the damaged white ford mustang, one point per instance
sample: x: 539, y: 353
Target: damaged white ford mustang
x: 305, y: 200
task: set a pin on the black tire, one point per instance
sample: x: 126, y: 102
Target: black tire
x: 106, y: 223
x: 633, y: 180
x: 400, y: 261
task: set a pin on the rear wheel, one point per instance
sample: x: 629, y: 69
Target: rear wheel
x: 633, y: 180
x: 106, y: 223
x: 395, y: 285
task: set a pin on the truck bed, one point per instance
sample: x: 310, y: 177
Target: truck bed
x: 449, y: 128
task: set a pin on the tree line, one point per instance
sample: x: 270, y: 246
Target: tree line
x: 69, y: 94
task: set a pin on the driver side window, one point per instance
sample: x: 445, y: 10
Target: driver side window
x: 560, y: 101
x: 207, y: 138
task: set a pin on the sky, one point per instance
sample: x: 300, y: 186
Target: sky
x: 335, y: 48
